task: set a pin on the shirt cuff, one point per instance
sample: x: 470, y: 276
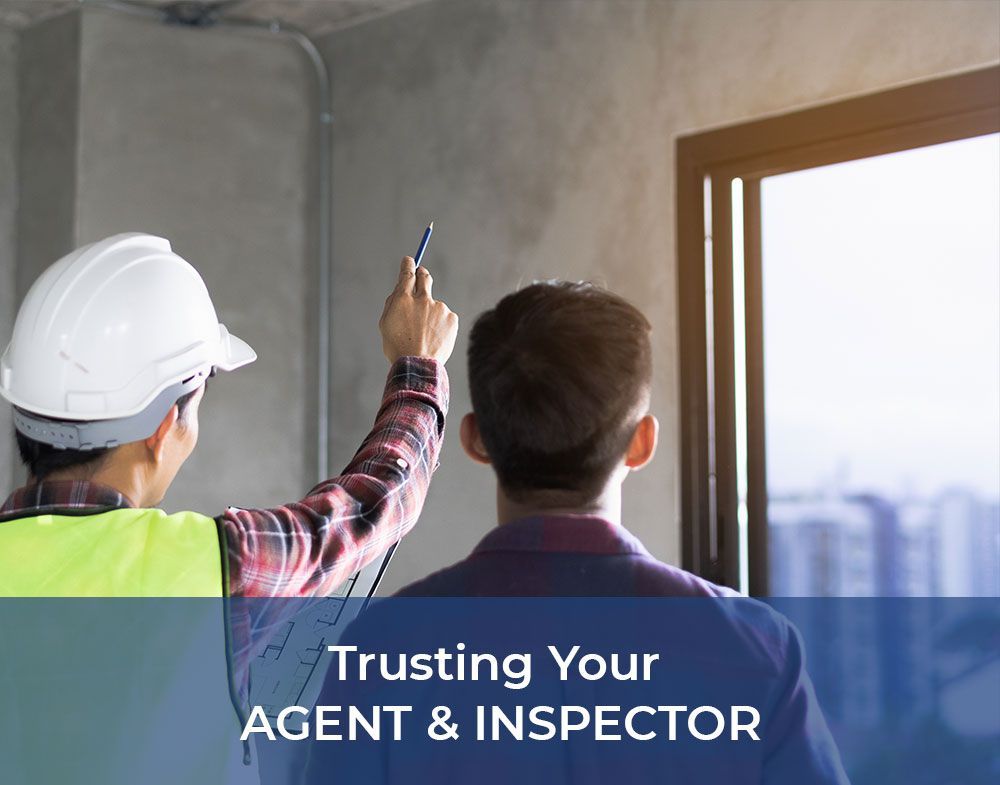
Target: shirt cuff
x: 422, y: 375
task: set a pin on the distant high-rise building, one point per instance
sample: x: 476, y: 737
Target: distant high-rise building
x: 821, y: 547
x: 839, y: 545
x: 916, y: 549
x: 865, y: 545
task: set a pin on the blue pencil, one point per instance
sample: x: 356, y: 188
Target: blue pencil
x: 423, y: 243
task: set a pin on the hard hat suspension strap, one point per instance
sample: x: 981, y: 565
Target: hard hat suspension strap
x: 99, y: 434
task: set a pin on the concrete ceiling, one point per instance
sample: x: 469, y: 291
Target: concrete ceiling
x: 314, y: 16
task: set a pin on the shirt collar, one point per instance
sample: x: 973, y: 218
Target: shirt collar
x: 62, y: 494
x: 562, y: 533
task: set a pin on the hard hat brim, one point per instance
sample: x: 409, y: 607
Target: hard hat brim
x: 237, y: 354
x: 85, y: 347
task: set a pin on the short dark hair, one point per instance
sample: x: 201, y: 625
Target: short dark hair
x: 558, y: 372
x: 44, y: 459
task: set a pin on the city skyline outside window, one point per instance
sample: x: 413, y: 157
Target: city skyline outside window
x: 881, y: 289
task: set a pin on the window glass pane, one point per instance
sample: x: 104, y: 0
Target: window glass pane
x: 882, y: 373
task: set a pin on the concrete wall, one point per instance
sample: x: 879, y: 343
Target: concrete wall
x: 540, y: 136
x: 48, y: 102
x: 203, y: 137
x: 8, y: 221
x: 47, y: 78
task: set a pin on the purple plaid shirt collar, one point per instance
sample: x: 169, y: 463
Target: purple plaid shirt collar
x: 563, y: 533
x: 62, y: 495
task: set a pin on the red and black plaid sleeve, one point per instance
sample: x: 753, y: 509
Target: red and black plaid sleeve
x: 310, y: 547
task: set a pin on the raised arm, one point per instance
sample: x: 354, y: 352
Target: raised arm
x: 310, y: 547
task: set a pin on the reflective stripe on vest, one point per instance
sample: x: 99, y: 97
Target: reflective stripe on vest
x: 115, y: 672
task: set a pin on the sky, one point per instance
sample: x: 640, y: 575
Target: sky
x: 882, y: 322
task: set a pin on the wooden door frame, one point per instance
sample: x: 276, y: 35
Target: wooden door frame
x: 916, y: 115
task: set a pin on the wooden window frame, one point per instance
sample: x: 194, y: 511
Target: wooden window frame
x: 917, y: 115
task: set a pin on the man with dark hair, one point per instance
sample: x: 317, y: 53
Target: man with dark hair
x: 560, y: 375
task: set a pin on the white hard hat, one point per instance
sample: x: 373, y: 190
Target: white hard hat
x: 107, y: 339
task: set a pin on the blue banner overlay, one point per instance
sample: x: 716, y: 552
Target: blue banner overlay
x: 870, y: 691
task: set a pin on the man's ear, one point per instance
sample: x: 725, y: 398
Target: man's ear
x: 472, y: 442
x: 643, y: 445
x: 156, y: 443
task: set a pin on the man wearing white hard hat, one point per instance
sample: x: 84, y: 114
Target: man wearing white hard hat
x: 106, y: 368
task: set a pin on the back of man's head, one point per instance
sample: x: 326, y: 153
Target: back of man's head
x: 560, y: 375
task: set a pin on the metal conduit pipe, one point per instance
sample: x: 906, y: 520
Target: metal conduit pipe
x: 190, y: 13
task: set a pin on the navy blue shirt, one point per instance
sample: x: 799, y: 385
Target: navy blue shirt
x: 562, y: 556
x: 586, y: 556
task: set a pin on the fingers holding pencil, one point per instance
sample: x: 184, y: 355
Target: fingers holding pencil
x: 413, y: 323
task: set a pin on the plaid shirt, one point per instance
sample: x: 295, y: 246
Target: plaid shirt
x: 308, y: 548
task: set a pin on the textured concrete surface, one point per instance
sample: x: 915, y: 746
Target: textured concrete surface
x: 539, y: 136
x: 45, y: 112
x: 8, y: 223
x: 47, y: 105
x: 316, y: 16
x: 203, y: 137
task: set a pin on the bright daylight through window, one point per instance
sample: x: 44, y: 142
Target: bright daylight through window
x: 881, y: 284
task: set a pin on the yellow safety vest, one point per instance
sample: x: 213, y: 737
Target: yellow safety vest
x: 114, y: 662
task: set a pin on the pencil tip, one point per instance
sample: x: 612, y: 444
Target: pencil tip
x: 430, y: 225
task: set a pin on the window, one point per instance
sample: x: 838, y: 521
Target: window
x: 840, y: 346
